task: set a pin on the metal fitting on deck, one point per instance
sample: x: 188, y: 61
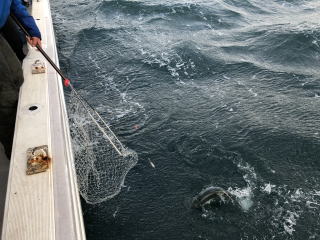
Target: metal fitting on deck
x: 38, y: 67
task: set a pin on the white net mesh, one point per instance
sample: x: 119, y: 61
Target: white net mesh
x: 101, y: 160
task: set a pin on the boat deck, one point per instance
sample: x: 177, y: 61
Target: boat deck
x: 4, y: 169
x: 44, y: 205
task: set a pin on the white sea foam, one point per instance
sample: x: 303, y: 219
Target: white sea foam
x: 316, y: 193
x: 290, y: 220
x: 311, y: 204
x: 290, y: 205
x: 115, y: 212
x: 254, y: 93
x: 267, y: 188
x: 243, y: 197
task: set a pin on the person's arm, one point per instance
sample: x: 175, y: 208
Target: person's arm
x: 21, y: 13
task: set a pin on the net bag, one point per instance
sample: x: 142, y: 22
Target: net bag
x: 101, y: 160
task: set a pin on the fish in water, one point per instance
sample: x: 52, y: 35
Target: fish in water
x: 210, y: 194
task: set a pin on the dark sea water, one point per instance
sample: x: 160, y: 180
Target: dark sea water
x: 223, y: 93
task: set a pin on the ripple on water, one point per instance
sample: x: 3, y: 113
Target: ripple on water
x: 248, y: 74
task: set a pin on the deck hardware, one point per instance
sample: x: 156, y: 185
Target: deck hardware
x: 33, y: 108
x: 38, y: 160
x: 38, y: 67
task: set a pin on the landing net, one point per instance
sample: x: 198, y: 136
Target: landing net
x: 101, y: 160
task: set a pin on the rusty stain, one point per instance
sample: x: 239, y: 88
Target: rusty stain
x: 38, y: 67
x: 38, y: 160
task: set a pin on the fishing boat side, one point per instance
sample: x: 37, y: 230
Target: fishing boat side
x: 44, y: 205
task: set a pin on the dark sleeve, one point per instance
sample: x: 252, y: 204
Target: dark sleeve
x: 21, y: 13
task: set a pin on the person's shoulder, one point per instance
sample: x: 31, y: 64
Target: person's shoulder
x: 17, y: 4
x: 18, y: 8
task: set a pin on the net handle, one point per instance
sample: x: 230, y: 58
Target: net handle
x: 65, y: 79
x: 67, y: 83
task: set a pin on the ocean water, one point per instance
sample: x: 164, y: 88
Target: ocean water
x: 219, y: 92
